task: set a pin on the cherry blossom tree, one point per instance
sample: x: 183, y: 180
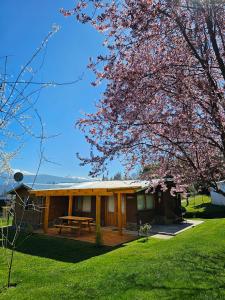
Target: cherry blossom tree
x: 164, y: 103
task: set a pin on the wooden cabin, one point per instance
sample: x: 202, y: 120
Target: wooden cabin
x: 120, y: 204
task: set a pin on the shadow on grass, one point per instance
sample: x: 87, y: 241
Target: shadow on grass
x: 60, y: 249
x: 206, y: 211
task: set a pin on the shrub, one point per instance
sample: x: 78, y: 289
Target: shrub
x: 144, y: 230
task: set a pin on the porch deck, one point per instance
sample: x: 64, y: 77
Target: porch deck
x: 110, y: 237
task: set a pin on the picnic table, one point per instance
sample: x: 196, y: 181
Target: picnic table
x: 73, y: 221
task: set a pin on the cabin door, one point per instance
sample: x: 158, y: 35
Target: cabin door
x: 111, y: 214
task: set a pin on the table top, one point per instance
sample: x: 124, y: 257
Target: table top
x: 76, y: 218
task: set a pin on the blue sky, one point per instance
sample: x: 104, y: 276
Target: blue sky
x: 23, y: 25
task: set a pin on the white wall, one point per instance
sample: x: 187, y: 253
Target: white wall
x: 218, y: 199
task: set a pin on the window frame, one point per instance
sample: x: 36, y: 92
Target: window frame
x: 146, y: 198
x: 145, y: 202
x: 111, y: 200
x: 86, y: 198
x: 79, y: 204
x: 143, y: 198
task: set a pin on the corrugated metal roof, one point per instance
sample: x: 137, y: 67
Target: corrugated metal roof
x: 114, y: 184
x: 39, y: 186
x: 109, y: 184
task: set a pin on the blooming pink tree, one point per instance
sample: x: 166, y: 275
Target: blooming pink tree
x: 164, y: 103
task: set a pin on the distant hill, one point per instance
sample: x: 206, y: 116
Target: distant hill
x: 42, y: 179
x: 51, y: 179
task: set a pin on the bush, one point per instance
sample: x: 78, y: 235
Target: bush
x: 144, y: 231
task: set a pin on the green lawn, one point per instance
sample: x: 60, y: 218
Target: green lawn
x: 189, y: 266
x: 4, y: 222
x: 200, y: 207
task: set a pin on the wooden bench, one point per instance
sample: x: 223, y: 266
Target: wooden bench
x: 86, y: 224
x: 66, y: 226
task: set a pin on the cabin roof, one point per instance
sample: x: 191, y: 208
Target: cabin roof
x: 92, y: 187
x: 114, y: 184
x: 111, y: 184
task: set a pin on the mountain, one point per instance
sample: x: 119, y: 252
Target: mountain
x: 42, y: 179
x: 52, y: 179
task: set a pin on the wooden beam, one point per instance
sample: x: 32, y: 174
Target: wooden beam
x: 46, y: 213
x: 98, y: 220
x: 98, y: 210
x: 120, y: 225
x: 70, y: 205
x: 83, y: 192
x: 124, y: 190
x: 61, y: 193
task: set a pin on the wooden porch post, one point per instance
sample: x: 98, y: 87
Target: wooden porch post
x: 46, y: 213
x: 98, y: 220
x: 120, y: 225
x: 70, y: 206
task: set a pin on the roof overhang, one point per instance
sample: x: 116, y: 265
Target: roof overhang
x: 83, y: 192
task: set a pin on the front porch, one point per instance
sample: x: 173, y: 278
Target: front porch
x: 87, y: 215
x: 110, y: 236
x: 107, y: 213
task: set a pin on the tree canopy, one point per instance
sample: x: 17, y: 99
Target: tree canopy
x: 164, y: 101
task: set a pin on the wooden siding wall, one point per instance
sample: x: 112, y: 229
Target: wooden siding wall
x: 160, y: 204
x: 145, y: 216
x: 111, y: 218
x: 138, y: 216
x: 81, y: 213
x: 30, y: 217
x: 58, y: 207
x: 172, y: 206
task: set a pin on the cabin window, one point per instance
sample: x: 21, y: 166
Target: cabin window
x: 145, y: 201
x: 111, y: 204
x: 79, y: 203
x: 141, y: 202
x: 86, y: 207
x: 149, y: 201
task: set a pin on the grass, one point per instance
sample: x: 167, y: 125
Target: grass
x: 189, y: 266
x: 4, y: 222
x: 200, y: 206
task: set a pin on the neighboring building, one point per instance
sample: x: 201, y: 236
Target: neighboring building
x: 217, y: 198
x: 124, y: 204
x: 4, y: 201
